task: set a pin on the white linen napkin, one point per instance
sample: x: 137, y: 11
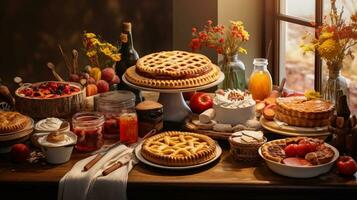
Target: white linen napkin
x: 80, y: 185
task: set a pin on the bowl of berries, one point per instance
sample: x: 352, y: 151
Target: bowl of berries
x: 299, y: 157
x: 50, y: 99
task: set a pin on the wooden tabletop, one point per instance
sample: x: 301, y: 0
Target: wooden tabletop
x: 222, y: 178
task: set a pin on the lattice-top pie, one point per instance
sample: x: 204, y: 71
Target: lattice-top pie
x: 173, y: 65
x: 174, y: 148
x: 12, y: 121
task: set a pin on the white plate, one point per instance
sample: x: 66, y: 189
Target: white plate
x: 142, y: 159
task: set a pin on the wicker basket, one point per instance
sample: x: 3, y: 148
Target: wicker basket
x: 247, y: 152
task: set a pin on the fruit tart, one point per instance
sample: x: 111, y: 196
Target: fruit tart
x: 178, y: 149
x: 48, y: 90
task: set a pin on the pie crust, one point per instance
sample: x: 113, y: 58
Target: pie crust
x: 173, y: 64
x: 302, y: 122
x: 301, y: 107
x: 178, y: 149
x: 12, y: 121
x: 132, y: 76
x: 274, y: 150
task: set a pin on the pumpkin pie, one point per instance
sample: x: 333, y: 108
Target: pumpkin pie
x: 178, y: 149
x: 12, y: 121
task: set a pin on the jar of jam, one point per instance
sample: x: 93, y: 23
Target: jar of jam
x: 118, y: 107
x: 88, y: 126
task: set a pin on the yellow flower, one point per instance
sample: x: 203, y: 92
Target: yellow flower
x: 91, y: 53
x: 312, y: 94
x: 106, y: 51
x: 89, y: 35
x: 307, y: 47
x: 95, y: 41
x: 242, y: 50
x: 329, y: 49
x: 116, y: 57
x: 325, y: 36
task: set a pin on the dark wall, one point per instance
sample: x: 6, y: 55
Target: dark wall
x: 30, y: 31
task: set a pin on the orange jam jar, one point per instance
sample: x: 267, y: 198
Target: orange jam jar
x: 88, y: 126
x: 121, y: 122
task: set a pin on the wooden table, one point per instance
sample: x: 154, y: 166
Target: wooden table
x: 222, y: 179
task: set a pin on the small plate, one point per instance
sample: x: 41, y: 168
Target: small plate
x: 293, y: 131
x: 142, y: 159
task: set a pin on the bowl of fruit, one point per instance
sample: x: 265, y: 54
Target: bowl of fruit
x: 299, y: 157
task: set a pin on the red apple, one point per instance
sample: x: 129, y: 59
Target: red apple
x: 346, y: 165
x: 187, y: 95
x: 19, y: 152
x: 200, y: 102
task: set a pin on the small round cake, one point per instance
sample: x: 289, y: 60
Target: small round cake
x: 233, y: 107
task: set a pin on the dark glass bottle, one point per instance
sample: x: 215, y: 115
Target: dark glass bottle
x: 129, y: 56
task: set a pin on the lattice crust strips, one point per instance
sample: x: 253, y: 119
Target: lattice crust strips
x: 175, y: 148
x: 175, y: 64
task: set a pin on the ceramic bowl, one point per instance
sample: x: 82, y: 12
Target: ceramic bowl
x: 58, y: 153
x: 301, y: 171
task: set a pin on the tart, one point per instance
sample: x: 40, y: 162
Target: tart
x: 12, y: 121
x: 48, y: 90
x: 302, y: 122
x: 178, y: 149
x: 275, y: 151
x: 173, y: 64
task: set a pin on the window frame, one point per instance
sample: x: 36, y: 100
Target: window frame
x: 272, y: 28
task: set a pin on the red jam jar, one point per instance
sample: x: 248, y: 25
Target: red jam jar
x: 121, y: 122
x: 88, y: 126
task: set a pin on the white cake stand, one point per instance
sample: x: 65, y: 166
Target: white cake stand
x: 175, y: 107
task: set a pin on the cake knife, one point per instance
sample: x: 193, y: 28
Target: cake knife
x: 121, y: 162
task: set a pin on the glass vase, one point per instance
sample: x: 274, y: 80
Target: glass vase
x: 335, y: 86
x: 234, y: 72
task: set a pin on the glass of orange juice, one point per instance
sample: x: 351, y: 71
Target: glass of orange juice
x: 260, y: 82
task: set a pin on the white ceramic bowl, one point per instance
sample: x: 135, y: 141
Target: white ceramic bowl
x: 303, y: 171
x: 60, y: 153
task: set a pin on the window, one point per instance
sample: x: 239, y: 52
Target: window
x: 286, y: 22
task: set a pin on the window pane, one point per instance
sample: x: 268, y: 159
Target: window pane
x: 349, y: 70
x: 298, y: 69
x: 304, y: 9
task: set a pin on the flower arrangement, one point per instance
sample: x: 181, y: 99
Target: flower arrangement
x: 334, y: 41
x: 100, y: 52
x: 226, y: 42
x: 334, y: 38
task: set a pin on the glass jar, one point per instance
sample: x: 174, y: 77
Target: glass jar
x: 234, y: 72
x: 121, y: 122
x: 88, y: 126
x: 260, y: 81
x: 335, y: 86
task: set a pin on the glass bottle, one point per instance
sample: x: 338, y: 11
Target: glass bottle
x: 129, y: 56
x: 335, y: 86
x: 260, y: 81
x: 234, y: 72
